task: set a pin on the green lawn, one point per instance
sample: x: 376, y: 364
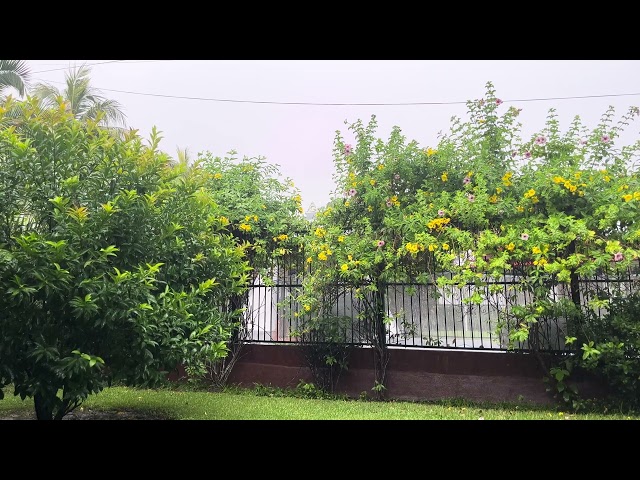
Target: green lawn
x: 246, y: 405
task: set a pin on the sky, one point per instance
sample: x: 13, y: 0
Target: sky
x: 299, y: 138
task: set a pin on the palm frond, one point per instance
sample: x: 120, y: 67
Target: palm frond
x: 48, y: 94
x: 112, y: 110
x: 14, y: 73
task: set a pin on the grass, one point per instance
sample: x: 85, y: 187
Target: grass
x: 240, y: 404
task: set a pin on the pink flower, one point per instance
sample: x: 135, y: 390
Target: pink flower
x: 466, y: 180
x: 541, y: 140
x: 605, y: 139
x: 441, y: 213
x: 396, y: 176
x: 380, y: 243
x: 389, y: 204
x: 498, y: 101
x: 527, y: 154
x: 352, y: 192
x: 583, y: 142
x: 524, y: 236
x: 347, y: 149
x: 471, y: 197
x: 618, y: 256
x: 514, y: 153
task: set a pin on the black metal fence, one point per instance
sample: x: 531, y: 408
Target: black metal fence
x: 425, y: 315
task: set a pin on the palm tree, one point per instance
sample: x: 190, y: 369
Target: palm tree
x: 81, y: 99
x: 14, y: 73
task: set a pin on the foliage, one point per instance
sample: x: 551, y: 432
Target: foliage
x: 81, y: 99
x: 263, y: 214
x: 484, y: 204
x: 14, y: 74
x: 325, y: 350
x: 611, y: 350
x: 114, y: 264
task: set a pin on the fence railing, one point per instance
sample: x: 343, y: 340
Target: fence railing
x: 426, y: 315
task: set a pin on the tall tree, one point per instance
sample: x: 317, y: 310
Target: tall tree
x: 14, y: 73
x: 81, y: 99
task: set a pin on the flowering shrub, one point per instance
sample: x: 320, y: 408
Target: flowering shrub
x: 550, y: 209
x: 263, y: 214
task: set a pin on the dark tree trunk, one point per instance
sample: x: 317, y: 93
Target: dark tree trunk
x: 43, y: 407
x: 380, y: 350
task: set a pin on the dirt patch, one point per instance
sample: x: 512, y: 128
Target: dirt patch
x: 88, y: 414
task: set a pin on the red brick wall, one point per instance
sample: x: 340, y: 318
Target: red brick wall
x: 412, y: 374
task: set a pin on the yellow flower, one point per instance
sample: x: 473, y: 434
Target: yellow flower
x: 307, y: 308
x: 432, y: 247
x: 558, y: 179
x: 540, y: 262
x: 535, y: 199
x: 370, y: 208
x: 511, y: 246
x: 411, y: 247
x: 573, y: 188
x: 320, y: 232
x: 445, y: 246
x: 264, y: 207
x: 536, y: 250
x: 577, y: 175
x: 493, y: 198
x: 381, y: 166
x: 244, y: 227
x: 309, y: 259
x: 350, y: 257
x: 431, y: 151
x: 282, y: 237
x: 217, y: 176
x: 498, y: 190
x: 627, y: 197
x: 329, y: 252
x: 607, y: 178
x: 438, y: 224
x: 636, y: 195
x: 224, y: 220
x: 506, y: 179
x: 341, y: 238
x: 344, y: 267
x: 520, y: 208
x: 347, y: 203
x: 372, y: 182
x: 530, y: 193
x: 322, y: 256
x: 444, y: 177
x: 297, y: 198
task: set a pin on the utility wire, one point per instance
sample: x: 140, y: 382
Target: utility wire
x: 318, y: 104
x: 88, y: 65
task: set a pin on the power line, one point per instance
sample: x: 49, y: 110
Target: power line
x: 318, y: 104
x: 123, y: 61
x: 88, y: 65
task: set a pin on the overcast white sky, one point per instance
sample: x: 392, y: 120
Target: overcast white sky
x: 299, y: 138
